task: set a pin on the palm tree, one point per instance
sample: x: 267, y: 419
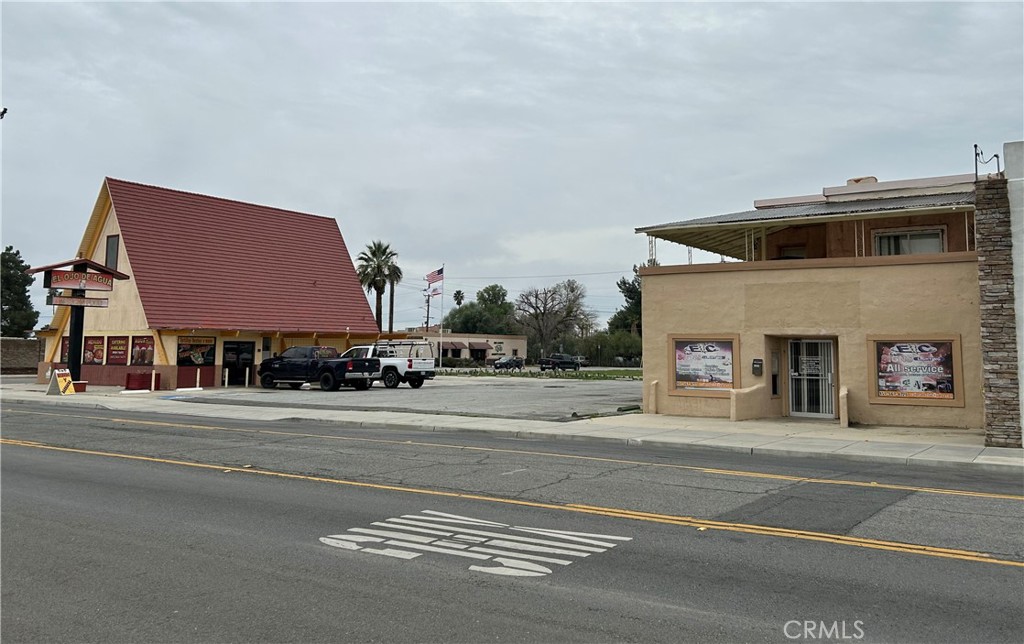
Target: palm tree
x: 373, y: 268
x: 394, y: 276
x: 459, y: 297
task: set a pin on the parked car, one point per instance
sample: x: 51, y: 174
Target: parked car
x: 410, y: 361
x: 301, y: 364
x: 510, y: 363
x: 557, y: 361
x: 584, y: 362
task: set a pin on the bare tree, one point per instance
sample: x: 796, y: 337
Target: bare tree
x: 550, y: 313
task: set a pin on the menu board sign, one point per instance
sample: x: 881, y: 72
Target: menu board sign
x: 117, y: 350
x: 703, y: 364
x: 93, y: 350
x: 142, y: 350
x: 196, y: 351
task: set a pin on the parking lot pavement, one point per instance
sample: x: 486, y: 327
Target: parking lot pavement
x: 550, y: 399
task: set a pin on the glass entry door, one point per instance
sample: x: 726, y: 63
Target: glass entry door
x: 811, y: 378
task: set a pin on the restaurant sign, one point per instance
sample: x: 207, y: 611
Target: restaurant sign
x: 60, y: 300
x: 80, y: 280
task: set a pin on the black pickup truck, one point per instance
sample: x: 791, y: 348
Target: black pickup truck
x: 299, y: 365
x: 558, y: 361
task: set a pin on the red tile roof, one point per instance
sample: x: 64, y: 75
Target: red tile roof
x: 204, y: 262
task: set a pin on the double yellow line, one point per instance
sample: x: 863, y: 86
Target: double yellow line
x: 700, y: 524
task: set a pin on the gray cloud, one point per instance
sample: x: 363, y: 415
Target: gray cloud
x: 504, y: 140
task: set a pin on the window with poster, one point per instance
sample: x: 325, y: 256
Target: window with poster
x: 704, y: 365
x: 142, y: 350
x: 65, y: 349
x: 93, y: 352
x: 117, y: 350
x: 196, y: 351
x: 915, y: 370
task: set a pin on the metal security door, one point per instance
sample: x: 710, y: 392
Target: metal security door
x: 811, y: 378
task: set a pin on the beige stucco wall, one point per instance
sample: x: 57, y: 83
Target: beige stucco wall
x: 845, y: 300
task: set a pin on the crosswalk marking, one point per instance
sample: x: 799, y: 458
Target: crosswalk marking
x: 412, y: 535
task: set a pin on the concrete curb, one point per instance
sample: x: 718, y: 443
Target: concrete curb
x: 766, y: 447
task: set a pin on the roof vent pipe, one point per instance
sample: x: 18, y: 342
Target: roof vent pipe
x: 858, y: 180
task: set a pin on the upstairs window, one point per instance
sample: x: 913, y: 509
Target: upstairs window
x: 113, y: 241
x: 910, y: 242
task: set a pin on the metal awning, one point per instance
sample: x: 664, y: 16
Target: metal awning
x: 732, y: 234
x: 480, y: 345
x: 452, y: 346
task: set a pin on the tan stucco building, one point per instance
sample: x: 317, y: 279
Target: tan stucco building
x: 871, y: 303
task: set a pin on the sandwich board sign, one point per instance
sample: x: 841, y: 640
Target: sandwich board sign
x: 60, y: 383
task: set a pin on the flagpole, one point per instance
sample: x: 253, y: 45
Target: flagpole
x: 440, y: 327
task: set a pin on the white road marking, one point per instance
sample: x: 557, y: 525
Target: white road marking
x: 412, y: 535
x: 512, y: 537
x: 394, y: 535
x: 514, y: 471
x: 516, y: 545
x: 447, y: 551
x: 521, y: 555
x: 435, y: 513
x: 570, y: 535
x: 573, y: 536
x: 391, y: 552
x: 514, y: 568
x: 385, y: 524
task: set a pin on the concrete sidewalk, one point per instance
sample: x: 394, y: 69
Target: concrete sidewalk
x: 950, y: 448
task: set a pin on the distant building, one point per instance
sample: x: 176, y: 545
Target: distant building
x: 877, y: 303
x: 215, y: 286
x: 478, y: 347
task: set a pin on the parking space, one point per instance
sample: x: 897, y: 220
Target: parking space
x: 493, y: 397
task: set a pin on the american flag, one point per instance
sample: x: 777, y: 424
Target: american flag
x: 435, y: 276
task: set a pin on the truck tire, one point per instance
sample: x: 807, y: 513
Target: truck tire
x: 415, y: 383
x: 361, y: 385
x: 392, y: 379
x: 267, y: 381
x: 328, y: 382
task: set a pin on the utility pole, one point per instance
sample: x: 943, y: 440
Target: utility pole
x: 426, y: 327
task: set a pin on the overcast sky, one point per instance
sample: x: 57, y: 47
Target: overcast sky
x: 518, y: 144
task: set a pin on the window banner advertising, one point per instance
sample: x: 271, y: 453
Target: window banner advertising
x: 702, y: 364
x: 196, y: 351
x: 910, y: 369
x: 93, y: 350
x: 142, y: 350
x: 65, y: 349
x: 117, y: 349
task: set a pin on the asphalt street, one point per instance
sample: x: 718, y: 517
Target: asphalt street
x: 219, y: 539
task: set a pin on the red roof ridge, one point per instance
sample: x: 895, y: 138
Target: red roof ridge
x: 214, y: 198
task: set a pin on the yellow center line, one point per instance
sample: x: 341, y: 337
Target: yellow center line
x: 701, y: 524
x: 618, y: 461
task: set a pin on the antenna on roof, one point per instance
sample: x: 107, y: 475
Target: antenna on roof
x: 979, y: 157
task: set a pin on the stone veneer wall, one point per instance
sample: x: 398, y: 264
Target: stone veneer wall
x: 998, y: 320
